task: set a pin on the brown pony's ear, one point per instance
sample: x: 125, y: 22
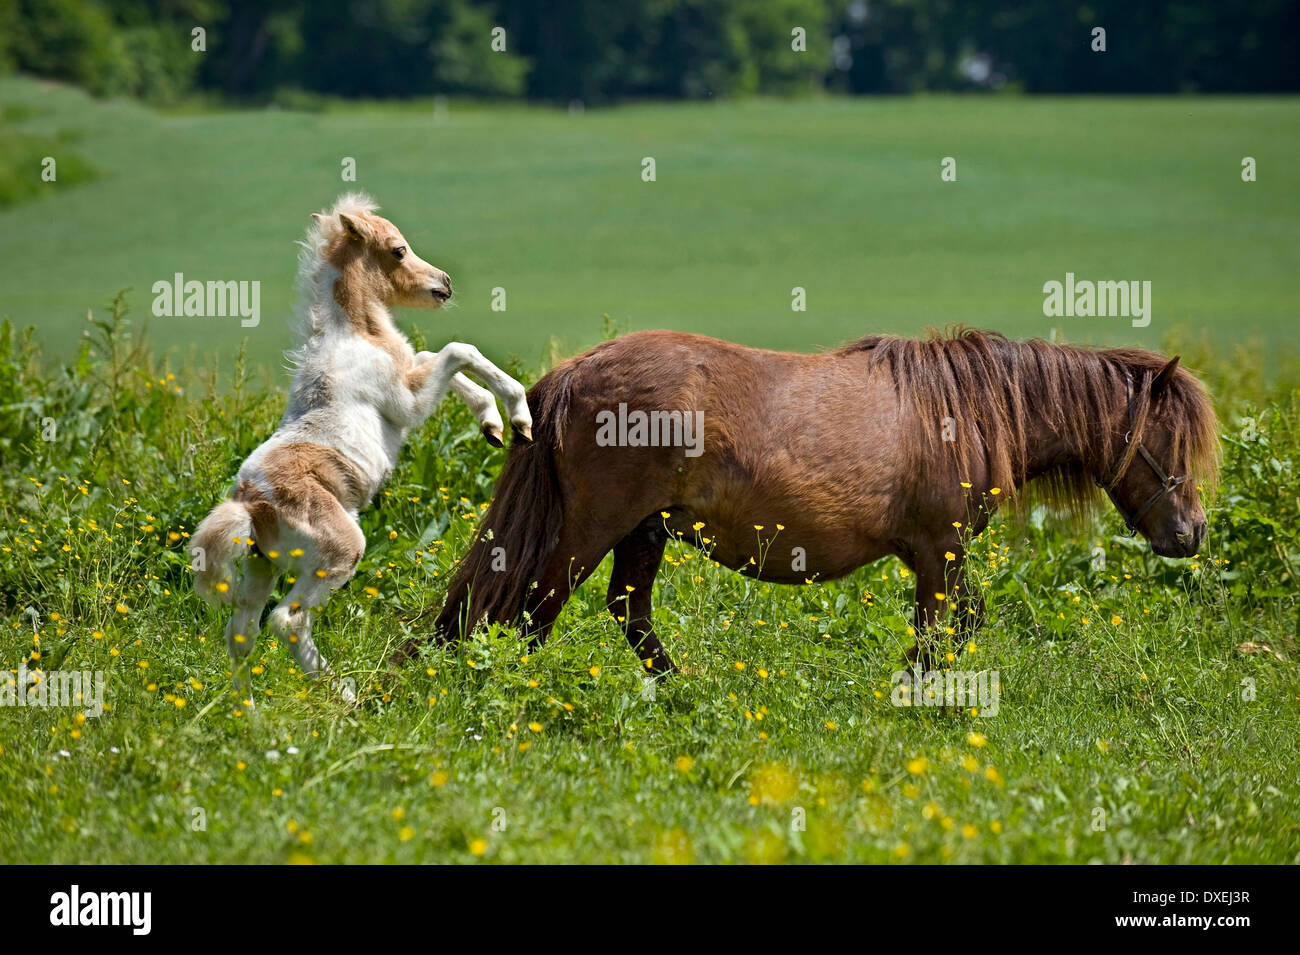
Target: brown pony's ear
x: 355, y: 228
x: 1165, y: 376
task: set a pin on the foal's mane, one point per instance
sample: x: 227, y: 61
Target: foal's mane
x: 316, y: 275
x: 990, y: 387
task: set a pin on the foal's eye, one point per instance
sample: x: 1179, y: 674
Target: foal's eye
x: 399, y: 251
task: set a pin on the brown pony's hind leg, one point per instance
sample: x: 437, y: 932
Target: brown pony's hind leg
x: 573, y: 559
x: 571, y: 563
x: 631, y: 589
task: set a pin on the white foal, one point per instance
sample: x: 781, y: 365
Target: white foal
x: 358, y: 391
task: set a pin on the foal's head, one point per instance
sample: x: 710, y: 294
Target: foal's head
x: 1168, y: 441
x: 376, y: 263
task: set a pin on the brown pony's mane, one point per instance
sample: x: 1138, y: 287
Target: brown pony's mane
x: 991, y: 387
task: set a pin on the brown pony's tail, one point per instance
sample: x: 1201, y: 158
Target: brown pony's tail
x: 521, y: 528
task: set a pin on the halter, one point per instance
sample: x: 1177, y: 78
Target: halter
x: 1167, y: 482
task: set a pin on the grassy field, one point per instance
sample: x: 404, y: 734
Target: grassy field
x: 841, y: 198
x: 1147, y: 713
x: 1148, y: 706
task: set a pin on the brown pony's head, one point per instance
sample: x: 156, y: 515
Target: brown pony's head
x: 376, y: 263
x: 1065, y: 418
x: 1166, y: 443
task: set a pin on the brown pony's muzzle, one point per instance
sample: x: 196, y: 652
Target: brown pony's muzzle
x: 1193, y: 540
x: 1183, y: 542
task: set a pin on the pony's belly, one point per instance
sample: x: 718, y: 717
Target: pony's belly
x: 363, y: 435
x: 295, y: 449
x: 817, y: 567
x: 785, y: 554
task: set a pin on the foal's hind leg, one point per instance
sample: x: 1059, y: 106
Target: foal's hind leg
x: 631, y: 588
x: 254, y: 587
x: 336, y: 548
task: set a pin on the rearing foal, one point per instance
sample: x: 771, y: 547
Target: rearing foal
x: 359, y: 389
x: 885, y: 446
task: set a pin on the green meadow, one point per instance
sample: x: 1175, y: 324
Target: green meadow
x: 1148, y: 706
x: 842, y: 198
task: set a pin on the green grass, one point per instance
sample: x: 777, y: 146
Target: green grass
x: 840, y: 197
x: 1124, y: 700
x: 1173, y: 727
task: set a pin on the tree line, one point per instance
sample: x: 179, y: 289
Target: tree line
x: 603, y: 51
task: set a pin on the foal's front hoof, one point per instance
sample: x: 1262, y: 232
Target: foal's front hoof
x: 493, y: 434
x: 523, y: 430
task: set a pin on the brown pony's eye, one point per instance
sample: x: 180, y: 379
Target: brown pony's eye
x: 399, y: 251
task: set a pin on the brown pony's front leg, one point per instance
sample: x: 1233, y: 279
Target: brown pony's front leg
x: 940, y: 589
x: 926, y: 623
x: 970, y: 611
x: 631, y: 587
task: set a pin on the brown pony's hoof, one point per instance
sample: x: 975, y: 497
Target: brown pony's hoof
x: 918, y: 658
x: 523, y: 431
x: 411, y: 647
x: 493, y: 435
x: 404, y: 653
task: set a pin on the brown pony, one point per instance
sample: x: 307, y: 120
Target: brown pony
x: 813, y: 465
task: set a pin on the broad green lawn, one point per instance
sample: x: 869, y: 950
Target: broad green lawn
x: 841, y: 198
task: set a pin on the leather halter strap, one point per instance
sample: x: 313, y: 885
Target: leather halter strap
x: 1167, y: 482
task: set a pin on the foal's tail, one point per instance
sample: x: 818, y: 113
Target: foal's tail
x: 521, y: 528
x: 219, y: 541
